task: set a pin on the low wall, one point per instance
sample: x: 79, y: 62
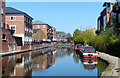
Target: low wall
x: 32, y: 46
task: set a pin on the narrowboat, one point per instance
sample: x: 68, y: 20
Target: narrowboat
x: 89, y: 52
x: 78, y: 47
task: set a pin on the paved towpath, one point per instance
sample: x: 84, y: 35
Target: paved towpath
x: 114, y: 65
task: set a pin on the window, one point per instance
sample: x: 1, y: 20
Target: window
x: 13, y: 18
x: 108, y: 8
x: 12, y: 27
x: 119, y: 3
x: 44, y: 26
x: 104, y: 20
x: 99, y: 25
x: 3, y: 37
x: 119, y: 18
x: 1, y: 24
x: 38, y: 26
x: 1, y: 10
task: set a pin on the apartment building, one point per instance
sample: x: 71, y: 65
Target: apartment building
x: 61, y: 36
x: 105, y: 16
x: 116, y: 13
x: 54, y: 33
x: 47, y: 29
x: 7, y: 42
x: 20, y: 23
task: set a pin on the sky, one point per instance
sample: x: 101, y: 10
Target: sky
x: 65, y: 16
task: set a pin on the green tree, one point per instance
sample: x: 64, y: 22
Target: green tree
x: 76, y: 33
x: 40, y: 35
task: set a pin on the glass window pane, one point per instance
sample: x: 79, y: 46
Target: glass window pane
x: 12, y: 18
x: 119, y: 17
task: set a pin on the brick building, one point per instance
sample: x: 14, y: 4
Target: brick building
x: 2, y: 13
x: 6, y: 38
x: 20, y: 23
x: 105, y: 16
x: 49, y: 30
x: 116, y: 13
x: 54, y: 33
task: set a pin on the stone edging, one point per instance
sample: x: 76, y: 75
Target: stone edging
x: 113, y: 61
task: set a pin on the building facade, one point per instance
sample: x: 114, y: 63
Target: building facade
x: 105, y: 16
x: 7, y: 42
x: 20, y: 24
x: 116, y: 13
x: 47, y: 29
x: 2, y: 13
x: 61, y: 36
x: 54, y: 33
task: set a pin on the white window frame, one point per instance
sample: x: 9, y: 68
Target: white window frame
x: 38, y: 26
x: 44, y: 26
x: 13, y: 17
x: 5, y: 37
x: 12, y: 26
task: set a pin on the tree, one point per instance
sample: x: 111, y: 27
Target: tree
x: 38, y: 36
x: 77, y: 32
x: 68, y: 35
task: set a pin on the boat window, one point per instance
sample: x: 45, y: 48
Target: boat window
x: 79, y: 46
x: 90, y: 50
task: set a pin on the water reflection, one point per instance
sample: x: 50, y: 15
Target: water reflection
x: 44, y: 61
x: 16, y: 65
x: 88, y: 63
x: 60, y: 62
x: 8, y: 65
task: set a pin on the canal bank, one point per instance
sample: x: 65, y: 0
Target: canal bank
x: 23, y: 51
x: 113, y: 67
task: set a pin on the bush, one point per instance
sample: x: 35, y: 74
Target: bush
x: 105, y: 42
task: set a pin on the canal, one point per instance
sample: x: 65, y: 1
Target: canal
x: 59, y: 62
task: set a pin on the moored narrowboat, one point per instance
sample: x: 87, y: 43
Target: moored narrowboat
x: 89, y: 52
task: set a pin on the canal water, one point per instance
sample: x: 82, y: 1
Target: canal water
x: 60, y: 62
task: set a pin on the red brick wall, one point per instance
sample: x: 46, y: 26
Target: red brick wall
x: 10, y: 41
x: 19, y: 22
x: 28, y: 47
x: 2, y: 16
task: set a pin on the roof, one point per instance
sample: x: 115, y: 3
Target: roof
x: 38, y: 22
x: 13, y: 11
x: 35, y: 30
